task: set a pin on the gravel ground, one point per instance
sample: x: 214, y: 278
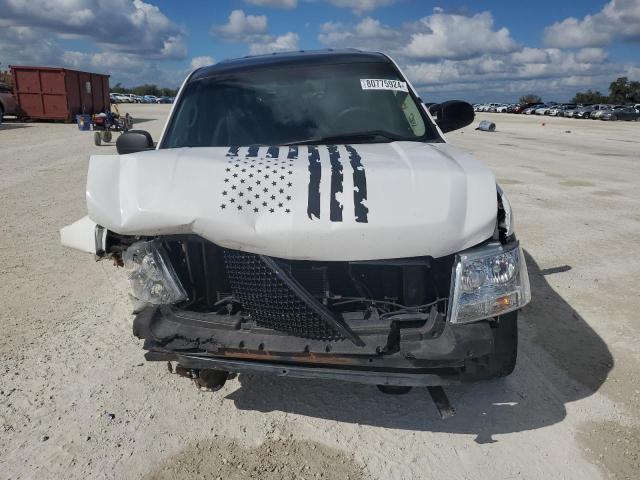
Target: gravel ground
x: 77, y: 399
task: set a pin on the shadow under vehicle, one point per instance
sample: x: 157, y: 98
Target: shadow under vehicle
x: 562, y: 360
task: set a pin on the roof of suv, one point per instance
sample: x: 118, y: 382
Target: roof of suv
x: 309, y: 57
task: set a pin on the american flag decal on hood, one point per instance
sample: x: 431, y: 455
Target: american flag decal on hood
x: 261, y: 181
x: 258, y: 184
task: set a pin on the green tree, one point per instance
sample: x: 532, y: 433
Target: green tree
x: 530, y: 98
x: 619, y: 90
x: 624, y: 91
x: 118, y: 88
x: 590, y: 97
x: 146, y: 89
x: 169, y: 92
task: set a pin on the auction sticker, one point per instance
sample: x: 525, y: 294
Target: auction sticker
x: 382, y: 84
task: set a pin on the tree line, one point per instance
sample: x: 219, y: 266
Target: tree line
x: 146, y: 89
x: 621, y: 91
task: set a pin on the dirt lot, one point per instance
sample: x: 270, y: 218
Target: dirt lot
x: 77, y: 399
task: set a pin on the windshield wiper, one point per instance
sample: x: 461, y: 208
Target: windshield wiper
x: 373, y: 136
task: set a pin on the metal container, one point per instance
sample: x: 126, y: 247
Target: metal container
x: 59, y: 94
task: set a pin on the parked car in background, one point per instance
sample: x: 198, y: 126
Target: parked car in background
x: 119, y: 98
x: 583, y: 112
x: 8, y: 103
x: 531, y: 110
x: 597, y: 114
x: 589, y: 110
x: 620, y: 113
x: 164, y: 100
x: 570, y: 112
x: 149, y: 99
x: 559, y: 110
x: 522, y: 106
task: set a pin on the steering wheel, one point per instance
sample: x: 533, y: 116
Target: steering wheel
x: 362, y: 111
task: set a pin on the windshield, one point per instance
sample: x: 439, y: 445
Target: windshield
x: 360, y: 102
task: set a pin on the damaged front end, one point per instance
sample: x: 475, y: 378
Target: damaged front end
x: 380, y: 322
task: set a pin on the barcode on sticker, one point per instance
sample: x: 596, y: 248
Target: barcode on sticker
x: 382, y: 84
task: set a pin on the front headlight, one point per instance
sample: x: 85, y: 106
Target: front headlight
x: 152, y: 277
x: 488, y: 281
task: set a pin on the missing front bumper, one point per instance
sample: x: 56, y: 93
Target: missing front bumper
x: 390, y: 355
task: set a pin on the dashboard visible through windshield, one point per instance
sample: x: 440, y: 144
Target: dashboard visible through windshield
x: 360, y: 103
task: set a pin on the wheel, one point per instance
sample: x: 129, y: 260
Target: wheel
x: 212, y: 380
x: 502, y: 361
x: 1, y: 114
x: 97, y: 139
x: 393, y: 389
x: 106, y: 136
x: 613, y: 118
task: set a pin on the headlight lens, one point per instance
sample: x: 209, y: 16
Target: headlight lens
x: 488, y: 281
x: 153, y: 279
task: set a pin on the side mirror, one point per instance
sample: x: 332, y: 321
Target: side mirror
x: 452, y: 115
x: 134, y: 141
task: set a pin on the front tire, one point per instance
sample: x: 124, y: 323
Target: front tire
x: 97, y: 139
x: 1, y: 114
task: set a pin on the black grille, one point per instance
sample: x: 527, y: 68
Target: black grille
x: 270, y: 301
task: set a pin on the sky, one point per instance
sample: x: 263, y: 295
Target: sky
x: 492, y: 50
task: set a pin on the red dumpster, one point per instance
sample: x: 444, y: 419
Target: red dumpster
x: 58, y: 93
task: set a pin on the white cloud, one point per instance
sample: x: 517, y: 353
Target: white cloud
x: 283, y: 43
x: 436, y: 36
x: 618, y: 20
x: 368, y: 34
x: 126, y: 68
x: 285, y: 4
x: 254, y: 31
x: 35, y: 48
x: 452, y: 52
x: 442, y: 35
x: 241, y: 27
x: 119, y: 25
x: 549, y: 70
x: 361, y: 6
x: 203, y: 61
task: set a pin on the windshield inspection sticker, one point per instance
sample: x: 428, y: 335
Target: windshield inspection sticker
x: 381, y: 84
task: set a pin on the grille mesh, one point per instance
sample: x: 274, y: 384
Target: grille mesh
x: 270, y: 302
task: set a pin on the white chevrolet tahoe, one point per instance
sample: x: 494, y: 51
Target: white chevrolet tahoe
x: 303, y: 215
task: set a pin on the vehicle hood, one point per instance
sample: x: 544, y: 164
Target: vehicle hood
x: 344, y: 202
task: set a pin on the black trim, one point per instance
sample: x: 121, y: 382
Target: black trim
x: 315, y: 174
x: 335, y: 208
x: 288, y: 59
